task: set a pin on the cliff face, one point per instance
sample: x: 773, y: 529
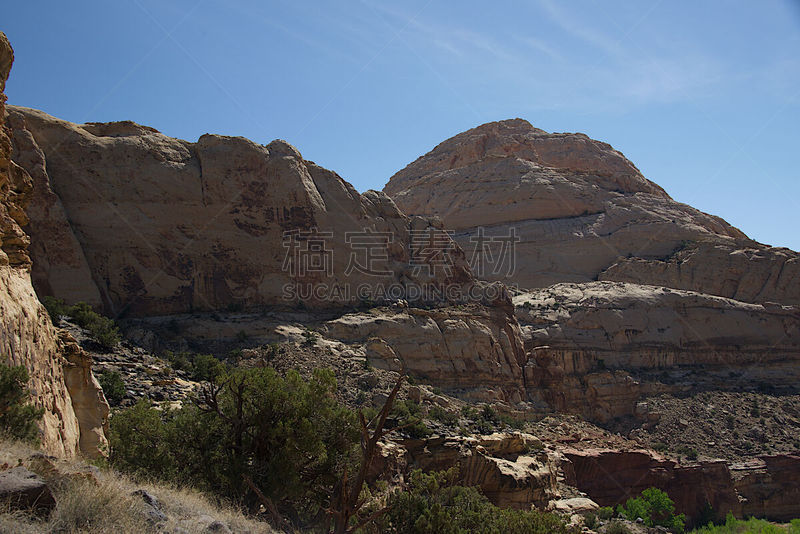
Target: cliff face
x: 762, y: 487
x: 582, y: 212
x: 27, y: 337
x: 597, y: 348
x: 143, y: 224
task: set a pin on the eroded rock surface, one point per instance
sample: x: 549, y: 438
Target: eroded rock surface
x: 597, y: 348
x: 143, y: 224
x: 476, y: 350
x: 581, y: 211
x: 510, y: 468
x: 748, y: 273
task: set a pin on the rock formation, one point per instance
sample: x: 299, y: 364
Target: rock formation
x: 581, y: 212
x: 750, y: 273
x: 143, y: 224
x: 511, y: 469
x: 764, y: 487
x: 27, y: 336
x: 476, y: 351
x: 584, y: 342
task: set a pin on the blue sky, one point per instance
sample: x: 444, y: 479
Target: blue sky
x: 704, y: 97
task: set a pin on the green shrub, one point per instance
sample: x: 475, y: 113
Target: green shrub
x: 487, y: 420
x: 142, y: 443
x: 605, y: 513
x: 56, y: 308
x: 511, y: 421
x: 689, y: 452
x: 590, y: 520
x: 200, y: 367
x: 434, y: 504
x: 748, y: 526
x: 655, y: 508
x: 310, y: 337
x: 288, y: 435
x: 469, y: 412
x: 113, y: 386
x: 617, y: 527
x: 18, y: 419
x: 438, y: 413
x: 206, y: 367
x: 102, y: 329
x: 408, y: 414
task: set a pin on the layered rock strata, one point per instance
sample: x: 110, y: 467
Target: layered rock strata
x: 596, y: 348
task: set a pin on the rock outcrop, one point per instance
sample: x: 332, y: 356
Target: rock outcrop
x: 597, y: 348
x: 764, y: 487
x: 511, y: 469
x: 143, y: 224
x: 769, y: 486
x: 747, y: 273
x: 86, y: 396
x: 27, y: 336
x: 580, y: 211
x: 476, y: 350
x: 21, y: 489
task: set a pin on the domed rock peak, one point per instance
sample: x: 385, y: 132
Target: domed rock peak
x: 575, y: 210
x: 518, y: 139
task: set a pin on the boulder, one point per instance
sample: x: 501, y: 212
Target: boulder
x: 21, y: 489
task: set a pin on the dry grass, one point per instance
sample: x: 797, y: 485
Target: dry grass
x: 102, y: 503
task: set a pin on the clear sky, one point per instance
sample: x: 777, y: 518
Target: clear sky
x: 703, y: 96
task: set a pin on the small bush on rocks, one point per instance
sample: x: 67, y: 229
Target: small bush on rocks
x: 655, y: 508
x: 113, y: 386
x: 102, y: 329
x: 18, y: 418
x: 434, y: 504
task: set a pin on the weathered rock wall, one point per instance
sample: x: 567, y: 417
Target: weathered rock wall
x: 597, y: 348
x: 145, y: 224
x: 766, y: 487
x: 476, y: 350
x: 27, y: 336
x: 747, y: 273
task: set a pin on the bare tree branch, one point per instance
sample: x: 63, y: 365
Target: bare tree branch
x: 347, y: 502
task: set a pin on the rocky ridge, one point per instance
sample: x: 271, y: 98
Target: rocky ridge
x: 598, y: 348
x: 141, y: 224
